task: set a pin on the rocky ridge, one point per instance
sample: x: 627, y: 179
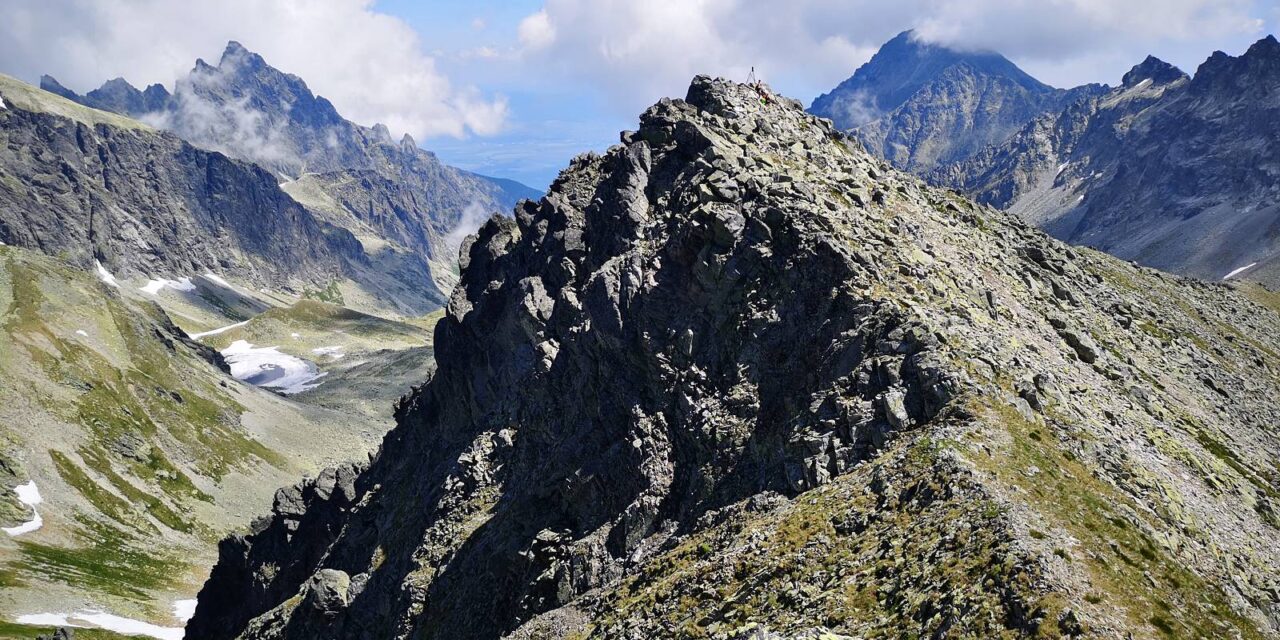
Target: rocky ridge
x: 736, y: 377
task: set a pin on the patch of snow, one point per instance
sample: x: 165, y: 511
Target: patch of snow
x: 81, y: 333
x: 29, y: 495
x: 1241, y: 270
x: 333, y: 352
x: 218, y: 280
x: 153, y: 287
x: 105, y: 275
x: 184, y: 609
x: 214, y: 332
x: 46, y: 620
x: 1062, y: 166
x: 1142, y: 84
x: 92, y: 618
x: 295, y: 336
x: 128, y: 626
x: 268, y: 367
x: 2, y: 104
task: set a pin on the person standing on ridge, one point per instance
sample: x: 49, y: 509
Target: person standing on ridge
x: 758, y: 85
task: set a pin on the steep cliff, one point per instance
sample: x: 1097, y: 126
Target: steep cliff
x: 735, y: 376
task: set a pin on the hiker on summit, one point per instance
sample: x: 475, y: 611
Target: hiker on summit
x: 758, y: 85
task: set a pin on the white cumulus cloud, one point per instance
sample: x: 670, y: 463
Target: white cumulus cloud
x: 536, y: 32
x: 372, y: 66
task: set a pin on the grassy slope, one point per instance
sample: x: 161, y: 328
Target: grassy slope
x: 145, y: 453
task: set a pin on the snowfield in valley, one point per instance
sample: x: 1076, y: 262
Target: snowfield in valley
x: 268, y: 367
x: 29, y: 495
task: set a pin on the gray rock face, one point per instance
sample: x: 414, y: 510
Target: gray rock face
x: 1167, y: 170
x: 735, y: 378
x: 920, y: 105
x: 327, y: 591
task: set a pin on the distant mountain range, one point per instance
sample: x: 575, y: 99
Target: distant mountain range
x: 921, y: 105
x: 1175, y: 172
x: 101, y: 190
x: 403, y: 210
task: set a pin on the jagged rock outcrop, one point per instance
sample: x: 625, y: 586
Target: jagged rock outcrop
x: 920, y: 105
x: 1171, y: 171
x: 735, y: 377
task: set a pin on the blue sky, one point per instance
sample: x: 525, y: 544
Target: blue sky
x: 548, y: 123
x: 515, y: 89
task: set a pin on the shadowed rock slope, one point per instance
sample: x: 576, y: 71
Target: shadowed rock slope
x: 735, y: 376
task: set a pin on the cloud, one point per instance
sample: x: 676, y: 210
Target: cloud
x: 473, y: 216
x: 1044, y: 30
x: 637, y: 52
x: 536, y: 32
x: 233, y: 128
x: 370, y: 65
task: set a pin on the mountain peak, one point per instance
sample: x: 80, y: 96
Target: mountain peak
x: 51, y: 84
x: 234, y: 48
x: 236, y: 57
x: 115, y: 95
x: 903, y: 66
x: 1267, y: 47
x: 1258, y: 66
x: 775, y: 338
x: 1154, y: 69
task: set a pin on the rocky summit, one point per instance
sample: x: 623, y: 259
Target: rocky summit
x: 736, y: 378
